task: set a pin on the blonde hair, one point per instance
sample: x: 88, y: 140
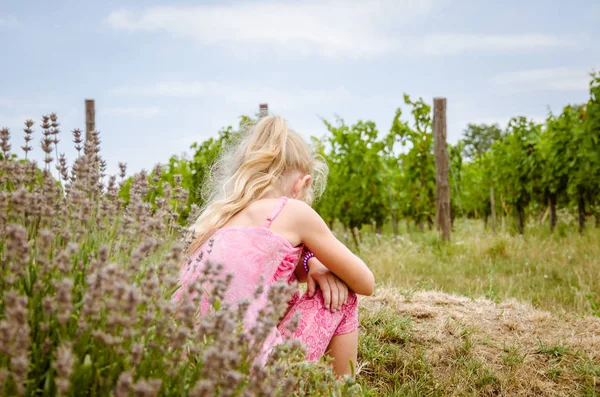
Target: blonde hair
x: 260, y: 162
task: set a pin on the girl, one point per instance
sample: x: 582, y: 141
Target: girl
x: 259, y: 222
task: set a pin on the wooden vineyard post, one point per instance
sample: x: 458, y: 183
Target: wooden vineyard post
x: 90, y: 117
x: 263, y: 110
x: 442, y: 186
x: 493, y: 208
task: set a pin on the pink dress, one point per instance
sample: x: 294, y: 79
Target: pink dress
x: 249, y: 252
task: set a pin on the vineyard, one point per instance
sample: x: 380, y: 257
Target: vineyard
x: 509, y: 307
x: 379, y: 179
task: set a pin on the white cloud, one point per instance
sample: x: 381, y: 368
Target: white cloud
x: 143, y: 112
x: 172, y: 89
x: 329, y: 28
x: 454, y: 44
x: 240, y: 94
x: 552, y: 79
x: 8, y: 21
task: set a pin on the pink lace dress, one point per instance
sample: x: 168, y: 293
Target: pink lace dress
x: 249, y: 252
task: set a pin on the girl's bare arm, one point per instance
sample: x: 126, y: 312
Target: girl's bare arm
x: 315, y: 235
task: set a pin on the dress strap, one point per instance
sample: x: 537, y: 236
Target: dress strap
x: 275, y: 212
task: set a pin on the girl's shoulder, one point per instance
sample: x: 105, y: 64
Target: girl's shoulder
x: 301, y: 211
x: 291, y: 210
x: 298, y: 205
x: 262, y: 209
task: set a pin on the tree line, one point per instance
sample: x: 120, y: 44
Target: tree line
x: 380, y: 178
x: 537, y: 166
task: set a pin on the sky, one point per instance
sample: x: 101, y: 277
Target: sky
x: 165, y: 74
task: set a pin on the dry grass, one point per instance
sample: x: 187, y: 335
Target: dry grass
x: 434, y: 343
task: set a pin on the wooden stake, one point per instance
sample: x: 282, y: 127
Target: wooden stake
x: 90, y: 117
x: 493, y: 208
x: 546, y: 213
x: 442, y: 161
x: 263, y: 110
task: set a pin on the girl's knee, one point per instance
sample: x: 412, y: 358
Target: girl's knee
x: 352, y: 301
x: 349, y: 322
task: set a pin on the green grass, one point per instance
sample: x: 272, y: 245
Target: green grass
x: 555, y: 351
x: 557, y: 272
x: 512, y: 356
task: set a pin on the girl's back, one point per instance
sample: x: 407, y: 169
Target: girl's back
x: 251, y: 247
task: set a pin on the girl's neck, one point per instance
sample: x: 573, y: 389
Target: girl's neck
x: 275, y: 193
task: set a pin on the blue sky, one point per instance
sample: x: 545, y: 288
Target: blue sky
x: 166, y: 74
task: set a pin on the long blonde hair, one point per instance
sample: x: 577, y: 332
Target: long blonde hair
x: 267, y: 153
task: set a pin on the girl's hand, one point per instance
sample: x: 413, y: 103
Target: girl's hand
x: 335, y: 291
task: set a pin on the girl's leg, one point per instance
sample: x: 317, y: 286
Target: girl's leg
x: 343, y: 349
x: 321, y: 330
